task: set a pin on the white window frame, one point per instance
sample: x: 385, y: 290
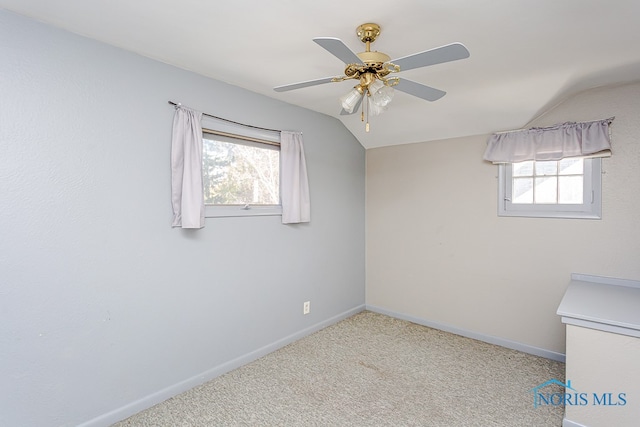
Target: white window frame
x: 591, y: 208
x: 223, y: 211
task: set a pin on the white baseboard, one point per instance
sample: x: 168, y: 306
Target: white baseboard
x: 471, y: 334
x: 569, y: 423
x: 126, y: 411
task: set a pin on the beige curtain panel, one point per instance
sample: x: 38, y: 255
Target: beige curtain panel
x: 585, y: 139
x: 296, y: 203
x: 187, y: 194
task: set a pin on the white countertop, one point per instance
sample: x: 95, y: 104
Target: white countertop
x: 607, y: 304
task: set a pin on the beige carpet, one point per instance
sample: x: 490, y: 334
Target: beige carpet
x: 371, y: 370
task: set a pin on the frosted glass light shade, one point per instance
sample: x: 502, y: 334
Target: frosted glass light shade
x: 375, y: 86
x: 350, y: 100
x: 375, y: 109
x: 383, y: 96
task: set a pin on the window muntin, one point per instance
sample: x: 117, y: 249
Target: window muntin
x: 548, y: 182
x: 568, y: 188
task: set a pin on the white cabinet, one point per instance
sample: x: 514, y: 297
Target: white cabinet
x: 602, y: 317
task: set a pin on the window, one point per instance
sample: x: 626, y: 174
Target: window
x: 568, y: 188
x: 241, y: 175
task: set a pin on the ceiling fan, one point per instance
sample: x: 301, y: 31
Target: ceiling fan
x: 373, y: 69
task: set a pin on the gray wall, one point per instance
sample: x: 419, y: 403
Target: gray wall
x: 102, y: 304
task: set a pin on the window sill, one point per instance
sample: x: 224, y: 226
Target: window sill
x: 550, y: 214
x: 211, y: 211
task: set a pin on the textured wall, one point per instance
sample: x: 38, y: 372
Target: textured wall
x: 436, y: 249
x: 101, y: 302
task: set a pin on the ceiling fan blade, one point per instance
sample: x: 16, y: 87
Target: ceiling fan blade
x: 438, y: 55
x: 419, y: 90
x: 300, y: 85
x: 344, y: 112
x: 338, y: 49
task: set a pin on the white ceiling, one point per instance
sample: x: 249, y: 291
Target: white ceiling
x: 526, y: 55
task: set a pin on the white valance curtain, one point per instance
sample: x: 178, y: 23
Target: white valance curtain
x: 296, y: 205
x: 187, y: 194
x: 586, y: 139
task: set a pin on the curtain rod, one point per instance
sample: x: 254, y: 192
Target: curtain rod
x: 610, y: 119
x: 177, y: 104
x: 242, y: 137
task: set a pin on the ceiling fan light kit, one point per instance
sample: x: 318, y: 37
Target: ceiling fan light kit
x: 351, y: 100
x: 372, y: 69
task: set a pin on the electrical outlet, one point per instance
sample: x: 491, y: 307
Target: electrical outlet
x: 306, y: 307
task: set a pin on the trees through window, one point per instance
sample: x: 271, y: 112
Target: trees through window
x: 239, y: 173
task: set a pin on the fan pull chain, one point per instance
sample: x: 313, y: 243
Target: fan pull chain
x: 366, y: 126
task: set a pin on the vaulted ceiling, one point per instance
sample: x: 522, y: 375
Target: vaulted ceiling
x: 526, y: 56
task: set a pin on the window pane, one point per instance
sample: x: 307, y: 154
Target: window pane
x: 574, y: 192
x: 546, y: 190
x: 522, y: 190
x: 547, y: 168
x: 523, y: 169
x: 570, y: 189
x: 571, y: 167
x: 237, y: 174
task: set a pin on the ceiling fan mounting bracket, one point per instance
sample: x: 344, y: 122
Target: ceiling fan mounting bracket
x: 368, y: 32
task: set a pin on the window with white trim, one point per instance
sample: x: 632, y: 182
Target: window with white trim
x: 241, y: 175
x: 567, y: 188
